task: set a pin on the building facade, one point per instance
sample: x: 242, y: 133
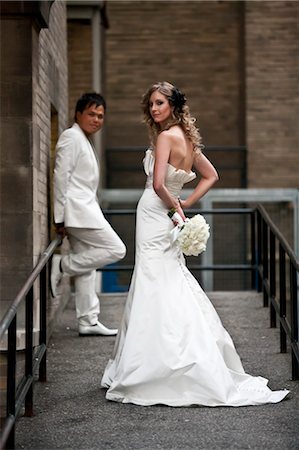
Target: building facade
x: 237, y: 63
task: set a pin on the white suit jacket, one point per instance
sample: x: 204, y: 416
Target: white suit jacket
x: 76, y: 179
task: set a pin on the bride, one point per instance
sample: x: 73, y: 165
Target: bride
x: 171, y: 348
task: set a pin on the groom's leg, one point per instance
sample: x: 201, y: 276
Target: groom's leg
x: 90, y: 249
x: 86, y: 299
x: 95, y: 248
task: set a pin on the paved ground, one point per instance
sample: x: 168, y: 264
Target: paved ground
x: 71, y: 411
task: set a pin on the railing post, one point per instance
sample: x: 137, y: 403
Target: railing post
x: 282, y: 295
x: 294, y: 319
x: 29, y: 352
x: 259, y: 250
x: 207, y: 277
x: 272, y: 280
x: 265, y: 262
x: 254, y: 273
x: 24, y: 390
x: 11, y: 379
x: 43, y: 323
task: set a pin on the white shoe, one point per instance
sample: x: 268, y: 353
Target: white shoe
x: 96, y: 330
x: 56, y: 274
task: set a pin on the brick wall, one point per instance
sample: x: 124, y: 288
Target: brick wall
x: 272, y: 83
x: 237, y: 62
x: 195, y: 45
x: 50, y: 92
x: 79, y: 61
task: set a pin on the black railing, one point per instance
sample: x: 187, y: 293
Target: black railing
x: 201, y: 267
x: 230, y: 162
x: 273, y: 251
x: 264, y: 236
x: 35, y: 358
x: 264, y: 240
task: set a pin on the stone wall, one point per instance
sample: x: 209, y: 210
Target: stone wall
x: 34, y: 94
x: 33, y: 84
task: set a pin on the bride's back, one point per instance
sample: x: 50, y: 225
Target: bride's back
x: 181, y: 154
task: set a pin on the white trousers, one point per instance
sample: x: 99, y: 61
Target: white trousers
x: 91, y: 249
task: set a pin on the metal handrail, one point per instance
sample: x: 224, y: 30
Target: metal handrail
x: 264, y: 235
x: 224, y: 166
x: 139, y: 149
x: 286, y: 246
x: 262, y: 270
x: 17, y: 395
x: 45, y: 256
x: 252, y: 267
x: 268, y: 235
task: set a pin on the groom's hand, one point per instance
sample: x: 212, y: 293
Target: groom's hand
x: 60, y: 229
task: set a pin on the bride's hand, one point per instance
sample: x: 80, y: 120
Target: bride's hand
x: 183, y: 204
x: 181, y: 212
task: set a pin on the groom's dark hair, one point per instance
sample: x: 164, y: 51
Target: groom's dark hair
x: 89, y: 99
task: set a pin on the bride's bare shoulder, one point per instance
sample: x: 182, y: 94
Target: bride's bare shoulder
x: 174, y: 134
x: 175, y: 130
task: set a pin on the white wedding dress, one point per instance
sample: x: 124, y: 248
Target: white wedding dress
x: 171, y: 348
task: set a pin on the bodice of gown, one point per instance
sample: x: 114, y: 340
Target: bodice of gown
x: 175, y: 178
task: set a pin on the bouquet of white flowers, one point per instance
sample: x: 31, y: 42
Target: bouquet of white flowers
x: 192, y: 234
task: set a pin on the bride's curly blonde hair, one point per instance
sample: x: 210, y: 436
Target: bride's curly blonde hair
x: 181, y: 115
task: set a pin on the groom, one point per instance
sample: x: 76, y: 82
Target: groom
x: 77, y: 214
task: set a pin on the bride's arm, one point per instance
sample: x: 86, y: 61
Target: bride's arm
x: 162, y: 153
x: 209, y: 176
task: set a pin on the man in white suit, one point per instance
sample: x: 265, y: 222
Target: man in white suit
x: 77, y: 214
